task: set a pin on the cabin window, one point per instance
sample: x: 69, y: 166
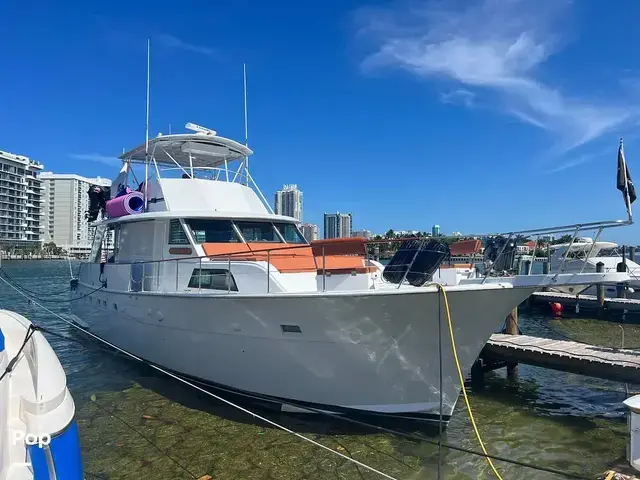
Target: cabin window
x: 134, y: 242
x: 177, y: 235
x: 96, y: 245
x: 212, y: 231
x: 213, y: 279
x: 258, y: 232
x: 103, y: 245
x: 290, y: 233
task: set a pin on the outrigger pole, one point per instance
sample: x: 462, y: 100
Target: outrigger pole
x: 246, y: 122
x: 146, y: 144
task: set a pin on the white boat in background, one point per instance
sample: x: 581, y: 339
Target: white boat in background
x: 206, y: 281
x: 583, y: 255
x: 38, y: 433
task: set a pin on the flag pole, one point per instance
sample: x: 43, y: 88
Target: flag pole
x: 626, y: 182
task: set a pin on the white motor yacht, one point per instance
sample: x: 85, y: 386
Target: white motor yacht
x: 203, y: 279
x: 583, y: 255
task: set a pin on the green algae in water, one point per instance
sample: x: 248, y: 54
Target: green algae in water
x: 193, y: 442
x: 207, y: 444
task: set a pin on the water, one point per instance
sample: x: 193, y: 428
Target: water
x: 135, y: 423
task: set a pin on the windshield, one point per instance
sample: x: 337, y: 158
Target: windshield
x: 258, y: 232
x: 212, y: 231
x: 223, y: 231
x: 290, y: 233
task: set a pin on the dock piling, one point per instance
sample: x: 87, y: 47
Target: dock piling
x: 600, y: 290
x: 511, y: 328
x: 622, y: 268
x: 477, y: 375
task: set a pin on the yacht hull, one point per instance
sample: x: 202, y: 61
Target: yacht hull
x: 610, y: 290
x: 375, y: 352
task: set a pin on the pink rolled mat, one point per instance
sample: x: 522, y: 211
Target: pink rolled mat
x: 125, y: 205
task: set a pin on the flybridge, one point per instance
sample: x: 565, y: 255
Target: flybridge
x: 203, y: 149
x: 178, y: 170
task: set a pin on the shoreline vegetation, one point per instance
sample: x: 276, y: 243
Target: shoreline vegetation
x: 47, y: 251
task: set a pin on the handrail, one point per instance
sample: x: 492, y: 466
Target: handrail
x: 141, y: 283
x: 237, y: 173
x: 560, y: 229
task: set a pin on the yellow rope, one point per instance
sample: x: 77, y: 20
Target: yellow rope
x: 461, y: 378
x: 610, y: 475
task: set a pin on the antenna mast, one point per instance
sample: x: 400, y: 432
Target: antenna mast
x: 246, y: 123
x: 146, y: 142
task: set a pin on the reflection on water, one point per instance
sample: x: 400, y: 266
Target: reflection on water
x: 135, y: 423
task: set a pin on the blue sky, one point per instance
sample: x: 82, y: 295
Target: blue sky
x: 476, y: 115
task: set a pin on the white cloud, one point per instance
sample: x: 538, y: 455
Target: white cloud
x: 174, y: 42
x: 460, y: 96
x: 491, y: 45
x: 95, y: 157
x: 572, y: 163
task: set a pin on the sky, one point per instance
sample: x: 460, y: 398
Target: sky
x: 479, y: 116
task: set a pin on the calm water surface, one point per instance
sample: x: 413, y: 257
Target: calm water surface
x: 134, y: 423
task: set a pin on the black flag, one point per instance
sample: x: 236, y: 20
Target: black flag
x: 624, y: 183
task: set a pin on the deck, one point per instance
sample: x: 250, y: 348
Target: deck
x: 604, y: 362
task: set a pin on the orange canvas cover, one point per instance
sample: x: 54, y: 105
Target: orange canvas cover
x: 281, y: 256
x: 294, y: 259
x: 338, y: 264
x: 340, y: 246
x: 465, y: 247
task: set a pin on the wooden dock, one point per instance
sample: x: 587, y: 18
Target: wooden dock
x: 604, y: 362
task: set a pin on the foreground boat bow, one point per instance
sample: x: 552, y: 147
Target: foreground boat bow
x: 38, y: 432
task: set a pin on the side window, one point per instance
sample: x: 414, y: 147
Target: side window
x: 177, y: 236
x: 96, y: 245
x: 213, y: 279
x: 212, y: 231
x: 258, y: 232
x: 110, y: 244
x: 290, y: 233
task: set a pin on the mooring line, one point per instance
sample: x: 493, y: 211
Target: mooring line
x: 186, y: 382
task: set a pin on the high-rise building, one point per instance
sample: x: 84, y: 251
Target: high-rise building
x: 435, y: 230
x: 337, y: 225
x: 310, y: 231
x: 20, y: 201
x: 66, y: 202
x: 362, y: 233
x: 288, y: 201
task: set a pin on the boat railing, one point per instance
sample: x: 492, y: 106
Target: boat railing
x: 219, y: 273
x: 211, y: 173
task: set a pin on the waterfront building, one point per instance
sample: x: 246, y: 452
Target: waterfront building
x: 337, y: 225
x: 547, y: 238
x: 310, y: 231
x: 435, y: 230
x: 20, y: 202
x: 362, y: 233
x: 66, y: 203
x: 288, y: 201
x: 407, y: 233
